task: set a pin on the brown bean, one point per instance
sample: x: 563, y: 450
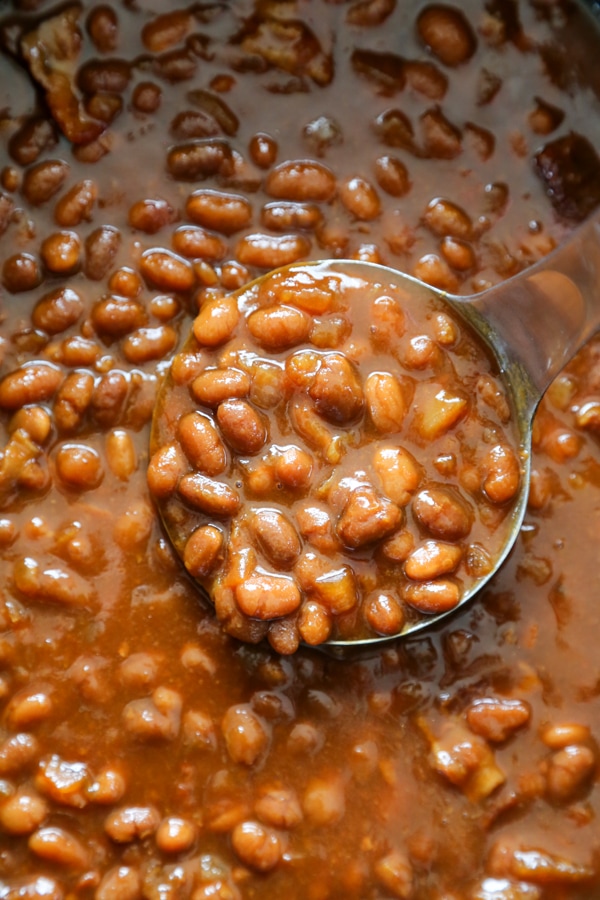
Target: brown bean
x: 388, y: 400
x: 120, y: 453
x: 61, y: 252
x: 216, y: 321
x: 200, y: 159
x: 201, y: 443
x: 257, y: 846
x: 17, y: 753
x: 497, y: 718
x: 314, y: 623
x: 266, y: 597
x: 79, y: 467
x: 196, y: 243
x: 425, y: 78
x: 203, y: 551
x: 57, y: 311
x: 399, y: 472
x: 443, y: 218
x: 289, y: 216
x: 336, y: 390
x: 558, y: 735
x: 443, y: 512
x: 276, y: 537
x: 175, y: 835
x: 219, y: 211
x: 501, y: 473
x: 446, y: 32
x: 431, y: 559
x: 120, y: 883
x: 360, y: 198
x: 293, y: 467
x: 263, y: 150
x: 242, y: 426
x: 109, y: 398
x: 21, y: 272
x: 167, y: 271
x: 268, y: 251
x: 34, y: 382
x: 59, y: 846
x: 76, y: 205
x: 366, y: 518
x: 148, y: 344
x: 570, y: 771
x: 458, y: 254
x: 301, y: 180
x: 146, y: 97
x: 392, y: 176
x: 130, y: 823
x: 104, y: 76
x: 384, y: 613
x: 432, y: 597
x: 72, y: 401
x: 166, y: 467
x: 117, y: 316
x: 210, y: 497
x: 31, y: 139
x: 43, y: 180
x: 101, y: 247
x: 246, y: 735
x: 166, y: 31
x: 23, y: 812
x: 279, y: 327
x: 213, y: 386
x: 102, y: 26
x: 324, y: 800
x: 441, y: 139
x: 150, y: 216
x: 48, y: 585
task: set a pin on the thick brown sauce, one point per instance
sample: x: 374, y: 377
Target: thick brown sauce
x: 142, y: 752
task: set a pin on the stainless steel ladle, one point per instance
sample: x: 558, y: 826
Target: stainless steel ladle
x: 534, y: 323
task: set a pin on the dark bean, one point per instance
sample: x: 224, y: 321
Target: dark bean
x: 166, y: 30
x: 44, y: 180
x: 447, y: 33
x: 199, y: 159
x: 263, y: 150
x: 211, y: 497
x: 110, y: 75
x: 151, y: 215
x: 242, y: 426
x: 392, y: 176
x: 443, y: 512
x: 301, y: 180
x: 103, y: 27
x: 117, y: 316
x: 76, y: 205
x: 21, y: 272
x: 31, y: 139
x: 146, y: 97
x: 101, y: 248
x: 220, y: 211
x: 57, y: 311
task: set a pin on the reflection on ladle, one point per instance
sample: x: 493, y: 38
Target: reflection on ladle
x: 533, y: 323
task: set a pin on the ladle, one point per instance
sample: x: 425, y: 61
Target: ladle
x: 534, y: 323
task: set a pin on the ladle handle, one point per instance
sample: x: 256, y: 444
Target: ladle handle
x: 541, y: 318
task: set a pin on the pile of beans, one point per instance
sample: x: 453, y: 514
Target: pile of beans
x: 332, y: 457
x: 152, y: 161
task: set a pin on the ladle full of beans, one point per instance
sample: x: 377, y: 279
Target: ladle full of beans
x: 341, y: 453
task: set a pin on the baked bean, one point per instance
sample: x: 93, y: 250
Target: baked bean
x: 336, y: 590
x: 175, y: 835
x: 103, y: 27
x: 147, y: 344
x: 310, y: 426
x: 17, y: 753
x: 23, y: 812
x: 293, y: 467
x: 425, y: 78
x: 446, y: 32
x: 388, y: 401
x: 445, y: 218
x: 121, y: 454
x: 104, y: 76
x: 55, y: 585
x: 432, y: 559
x: 276, y: 536
x: 496, y: 719
x: 194, y: 242
x: 211, y: 497
x: 59, y: 846
x: 392, y: 176
x: 146, y: 97
x: 150, y: 216
x: 203, y: 551
x: 384, y: 613
x: 131, y: 823
x: 301, y: 180
x: 29, y: 706
x: 562, y: 734
x: 125, y: 282
x: 108, y: 398
x: 133, y: 527
x: 432, y: 597
x: 314, y: 623
x: 441, y: 139
x: 33, y: 382
x: 34, y: 420
x: 457, y: 253
x: 395, y: 874
x: 443, y: 513
x: 201, y: 443
x: 368, y: 13
x: 422, y: 352
x: 336, y: 390
x: 360, y: 198
x: 267, y: 251
x: 79, y: 467
x: 75, y: 206
x: 108, y: 787
x: 154, y: 718
x: 256, y: 845
x: 34, y: 136
x: 278, y: 807
x: 501, y: 473
x: 199, y: 159
x: 57, y: 310
x: 120, y: 883
x: 219, y: 211
x: 72, y: 401
x: 43, y: 180
x: 366, y: 518
x: 21, y: 272
x: 118, y: 316
x: 216, y: 321
x: 213, y: 386
x: 399, y: 472
x: 167, y: 270
x: 263, y: 596
x: 166, y: 31
x: 242, y: 426
x: 61, y: 252
x: 570, y: 771
x: 279, y: 327
x: 246, y: 734
x: 263, y: 150
x: 101, y: 247
x: 165, y: 469
x: 289, y: 216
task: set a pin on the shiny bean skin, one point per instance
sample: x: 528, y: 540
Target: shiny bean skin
x: 57, y: 311
x: 213, y: 386
x: 211, y: 497
x: 165, y: 469
x: 167, y: 270
x: 387, y: 402
x: 202, y: 444
x: 72, y: 401
x: 279, y: 327
x: 121, y: 454
x: 242, y: 426
x: 216, y: 321
x: 336, y: 390
x: 101, y: 247
x: 432, y: 597
x: 203, y: 551
x: 21, y: 272
x: 447, y: 33
x: 301, y: 180
x: 59, y: 846
x: 118, y: 316
x: 443, y: 513
x: 399, y: 472
x: 256, y: 845
x: 151, y: 215
x: 360, y: 199
x: 268, y: 251
x: 219, y: 211
x: 22, y: 813
x: 384, y: 613
x: 501, y: 474
x: 147, y: 344
x: 268, y: 596
x: 194, y: 242
x: 288, y: 216
x: 276, y: 536
x: 76, y: 205
x: 32, y: 383
x: 79, y: 467
x: 432, y: 559
x: 130, y: 823
x: 43, y: 180
x: 392, y: 176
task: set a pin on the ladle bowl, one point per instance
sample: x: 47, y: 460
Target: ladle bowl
x: 533, y: 323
